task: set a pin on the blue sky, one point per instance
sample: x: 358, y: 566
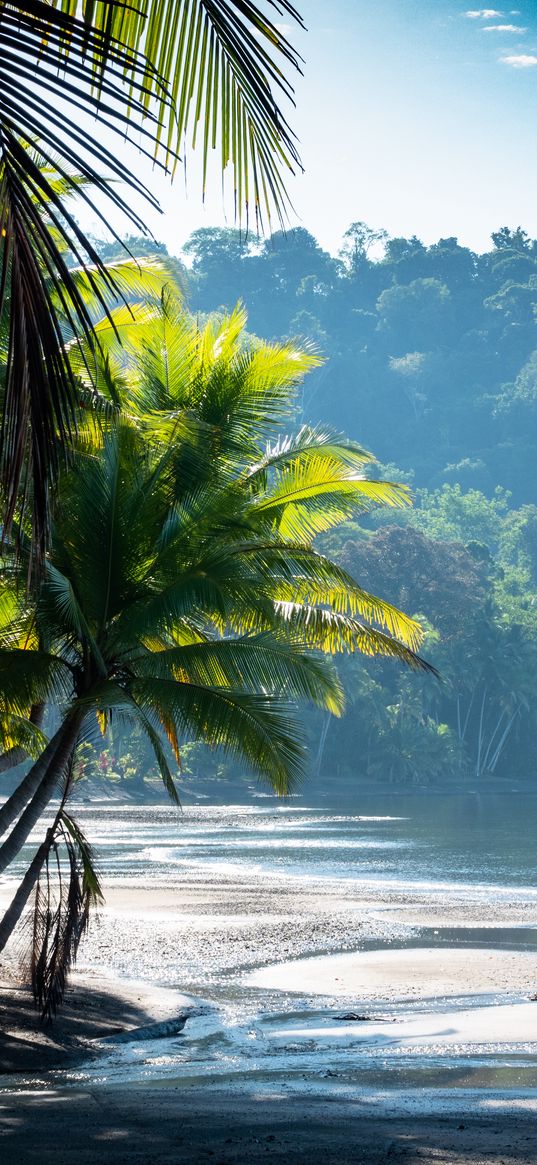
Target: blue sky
x: 419, y: 116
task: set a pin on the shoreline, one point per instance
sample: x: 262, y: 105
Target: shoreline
x: 388, y: 964
x: 417, y: 987
x: 443, y: 1067
x: 98, y: 1006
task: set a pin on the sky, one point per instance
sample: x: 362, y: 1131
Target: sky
x: 419, y: 116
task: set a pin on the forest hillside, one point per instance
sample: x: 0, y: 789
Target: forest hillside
x: 430, y: 361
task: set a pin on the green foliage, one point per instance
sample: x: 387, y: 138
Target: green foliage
x: 182, y: 591
x: 429, y: 349
x: 453, y: 514
x: 165, y: 77
x: 431, y: 355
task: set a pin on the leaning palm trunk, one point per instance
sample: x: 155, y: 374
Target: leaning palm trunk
x: 49, y: 775
x: 24, y: 890
x: 15, y: 804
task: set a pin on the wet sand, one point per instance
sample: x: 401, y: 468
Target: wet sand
x: 181, y: 1126
x: 408, y: 974
x: 97, y: 1007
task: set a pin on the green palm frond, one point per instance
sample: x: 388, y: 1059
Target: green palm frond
x: 17, y: 615
x: 258, y: 729
x: 215, y: 70
x: 334, y: 632
x: 39, y: 230
x: 278, y: 571
x: 310, y: 441
x: 154, y: 739
x: 131, y: 281
x: 258, y: 662
x: 152, y: 72
x: 30, y: 677
x: 317, y: 491
x: 18, y: 732
x: 63, y: 610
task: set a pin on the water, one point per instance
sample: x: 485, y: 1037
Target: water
x: 485, y: 839
x: 246, y: 886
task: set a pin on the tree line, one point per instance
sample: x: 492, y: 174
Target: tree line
x: 430, y: 359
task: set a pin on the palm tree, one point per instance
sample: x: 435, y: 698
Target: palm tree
x: 153, y: 72
x: 182, y: 589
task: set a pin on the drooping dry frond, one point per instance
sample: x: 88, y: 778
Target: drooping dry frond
x: 67, y: 888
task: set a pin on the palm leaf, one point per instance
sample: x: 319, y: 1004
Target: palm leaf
x: 38, y: 229
x: 68, y: 887
x: 334, y: 632
x: 158, y: 68
x: 258, y: 663
x: 31, y: 677
x: 20, y: 738
x: 224, y: 64
x: 256, y: 728
x: 310, y: 442
x: 59, y: 597
x: 317, y: 491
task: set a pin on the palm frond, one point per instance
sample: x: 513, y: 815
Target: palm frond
x: 31, y: 677
x: 257, y: 663
x: 63, y: 608
x: 67, y: 888
x: 225, y: 66
x: 39, y: 230
x: 258, y: 729
x: 310, y: 441
x: 107, y: 698
x: 333, y: 632
x: 153, y: 70
x: 20, y: 738
x: 317, y: 491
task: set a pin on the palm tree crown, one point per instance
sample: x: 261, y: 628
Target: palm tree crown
x: 182, y: 589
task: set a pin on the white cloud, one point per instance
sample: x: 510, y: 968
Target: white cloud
x: 505, y: 28
x: 524, y: 61
x: 485, y: 14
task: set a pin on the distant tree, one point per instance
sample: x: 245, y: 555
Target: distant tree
x: 517, y: 302
x: 219, y: 271
x: 452, y: 514
x: 294, y: 256
x: 416, y: 316
x: 515, y: 240
x: 358, y: 241
x: 465, y: 413
x: 398, y: 249
x: 454, y: 265
x: 445, y: 581
x: 513, y: 267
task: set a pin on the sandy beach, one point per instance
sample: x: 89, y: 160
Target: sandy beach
x: 407, y: 974
x: 261, y: 1120
x: 364, y: 1019
x: 282, y: 1119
